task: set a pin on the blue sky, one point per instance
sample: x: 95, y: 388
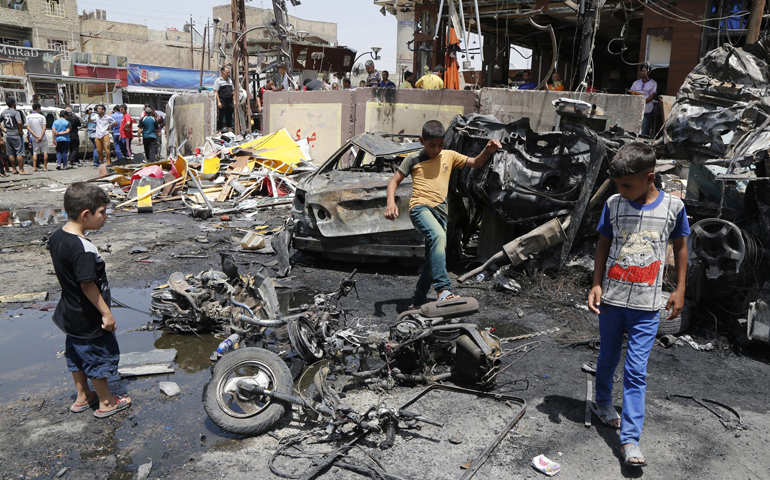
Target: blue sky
x: 360, y: 25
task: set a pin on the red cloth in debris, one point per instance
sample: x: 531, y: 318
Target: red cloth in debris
x: 283, y: 190
x: 151, y: 171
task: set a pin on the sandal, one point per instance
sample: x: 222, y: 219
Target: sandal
x: 446, y: 295
x: 91, y: 401
x: 632, y: 451
x: 606, y: 413
x: 121, y: 403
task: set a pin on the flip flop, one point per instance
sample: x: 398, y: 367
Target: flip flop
x: 606, y: 413
x: 122, y: 403
x: 632, y: 451
x: 25, y: 173
x: 91, y: 401
x: 446, y: 295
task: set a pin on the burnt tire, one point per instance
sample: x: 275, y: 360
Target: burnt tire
x: 677, y: 325
x: 240, y: 413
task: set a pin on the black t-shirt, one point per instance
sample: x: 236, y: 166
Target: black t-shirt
x: 75, y: 123
x: 76, y: 260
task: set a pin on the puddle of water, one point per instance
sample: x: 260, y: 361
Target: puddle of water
x: 167, y: 430
x: 26, y: 218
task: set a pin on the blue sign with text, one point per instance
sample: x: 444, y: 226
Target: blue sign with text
x: 168, y: 77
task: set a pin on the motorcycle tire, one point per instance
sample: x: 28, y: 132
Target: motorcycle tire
x: 244, y: 415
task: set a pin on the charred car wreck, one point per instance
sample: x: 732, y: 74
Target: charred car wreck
x: 720, y: 125
x: 338, y: 211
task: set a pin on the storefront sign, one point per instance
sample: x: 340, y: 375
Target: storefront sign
x: 35, y: 60
x: 168, y: 77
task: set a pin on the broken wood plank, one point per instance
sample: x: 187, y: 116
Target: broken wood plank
x: 146, y: 194
x: 24, y: 297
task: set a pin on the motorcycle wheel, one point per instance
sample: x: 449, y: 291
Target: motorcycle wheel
x: 236, y: 412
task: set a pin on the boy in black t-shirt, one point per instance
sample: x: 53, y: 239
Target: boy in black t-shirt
x: 83, y: 312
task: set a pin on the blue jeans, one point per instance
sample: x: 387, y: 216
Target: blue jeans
x: 431, y: 225
x: 96, y: 152
x: 647, y: 124
x: 62, y: 153
x: 119, y: 148
x: 641, y: 327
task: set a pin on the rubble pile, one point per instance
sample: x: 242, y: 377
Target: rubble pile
x: 228, y: 174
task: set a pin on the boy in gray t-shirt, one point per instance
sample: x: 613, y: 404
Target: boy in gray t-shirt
x: 635, y: 228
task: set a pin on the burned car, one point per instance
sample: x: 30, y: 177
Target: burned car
x: 339, y: 209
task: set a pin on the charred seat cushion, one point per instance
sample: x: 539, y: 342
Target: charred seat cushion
x: 456, y: 307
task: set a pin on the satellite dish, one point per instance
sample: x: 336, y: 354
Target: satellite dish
x: 357, y: 69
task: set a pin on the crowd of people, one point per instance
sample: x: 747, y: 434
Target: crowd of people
x: 106, y: 133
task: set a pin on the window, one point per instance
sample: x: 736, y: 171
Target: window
x: 59, y: 45
x: 15, y: 4
x: 54, y: 8
x: 10, y: 41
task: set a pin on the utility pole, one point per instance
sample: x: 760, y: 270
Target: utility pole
x: 203, y: 55
x: 591, y: 11
x: 192, y: 50
x: 239, y: 26
x: 211, y: 41
x: 755, y: 21
x: 283, y: 25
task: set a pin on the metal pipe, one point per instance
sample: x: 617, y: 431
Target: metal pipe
x: 262, y: 323
x: 438, y: 20
x: 478, y: 26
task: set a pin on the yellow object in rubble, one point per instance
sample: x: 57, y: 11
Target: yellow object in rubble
x: 277, y: 151
x: 144, y: 204
x: 209, y: 168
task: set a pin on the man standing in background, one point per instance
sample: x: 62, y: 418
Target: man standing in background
x: 75, y: 125
x: 38, y: 142
x: 648, y: 88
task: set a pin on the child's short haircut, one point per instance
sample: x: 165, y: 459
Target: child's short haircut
x: 632, y: 159
x: 432, y: 129
x: 84, y: 196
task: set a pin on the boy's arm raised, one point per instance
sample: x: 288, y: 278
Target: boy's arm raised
x: 676, y: 300
x: 391, y: 210
x: 94, y: 296
x: 480, y: 159
x: 600, y: 262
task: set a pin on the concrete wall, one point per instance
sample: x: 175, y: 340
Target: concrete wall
x: 138, y: 43
x: 194, y: 119
x: 510, y: 105
x: 329, y: 118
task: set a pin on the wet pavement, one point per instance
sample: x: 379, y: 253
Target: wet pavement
x: 165, y: 430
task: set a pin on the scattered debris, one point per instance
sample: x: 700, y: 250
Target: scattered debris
x: 154, y: 362
x: 543, y: 465
x: 170, y: 389
x: 24, y: 297
x: 143, y: 472
x: 705, y: 347
x: 728, y: 422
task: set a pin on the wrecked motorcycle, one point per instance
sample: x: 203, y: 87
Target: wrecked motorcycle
x: 251, y: 386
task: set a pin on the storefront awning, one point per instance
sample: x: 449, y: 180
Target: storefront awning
x: 153, y: 91
x: 67, y: 79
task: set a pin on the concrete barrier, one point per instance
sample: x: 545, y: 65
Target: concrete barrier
x: 194, y: 117
x: 327, y: 119
x: 510, y: 105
